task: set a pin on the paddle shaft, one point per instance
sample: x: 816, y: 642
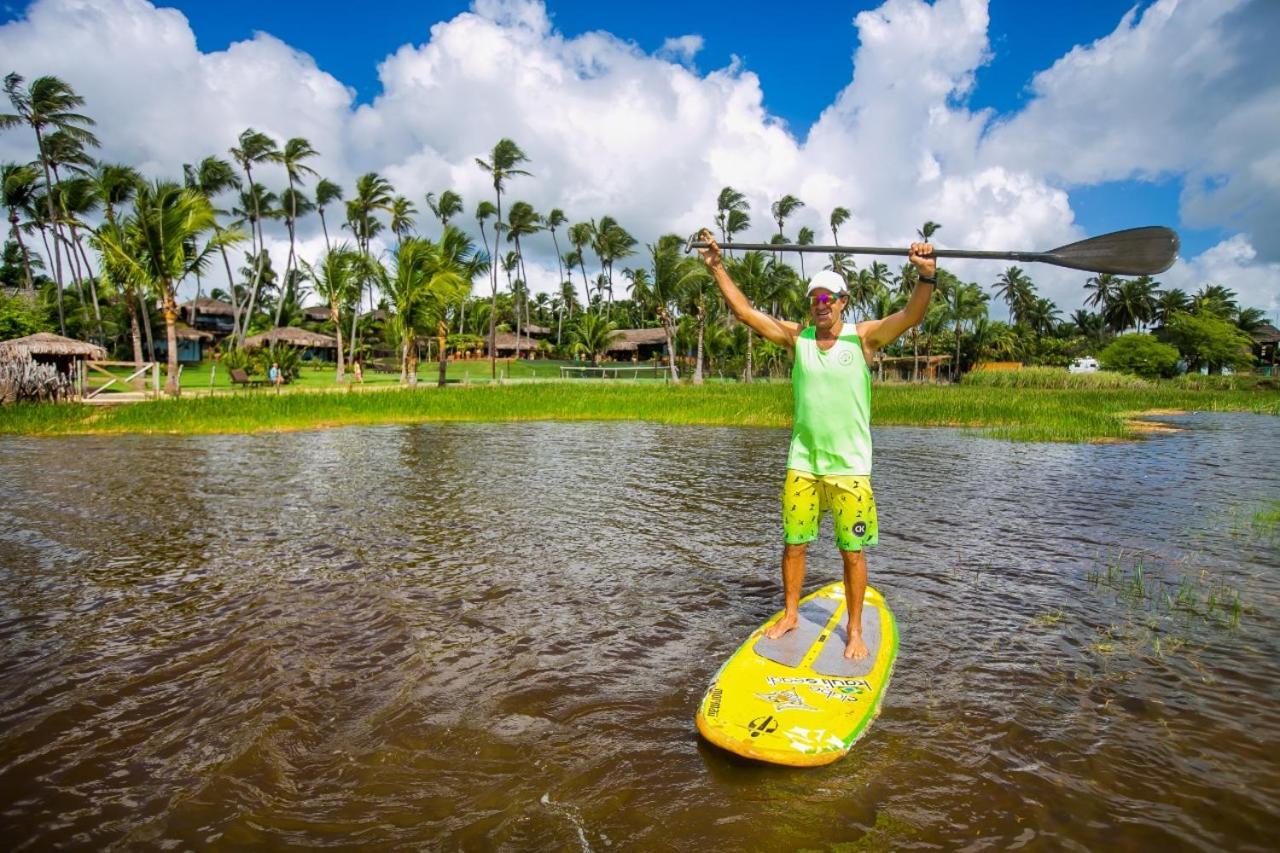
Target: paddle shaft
x: 1026, y: 257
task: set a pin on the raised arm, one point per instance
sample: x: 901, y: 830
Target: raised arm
x: 781, y: 332
x: 878, y: 334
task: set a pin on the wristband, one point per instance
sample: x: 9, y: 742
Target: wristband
x: 933, y: 280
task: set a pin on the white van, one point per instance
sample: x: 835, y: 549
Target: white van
x: 1088, y: 364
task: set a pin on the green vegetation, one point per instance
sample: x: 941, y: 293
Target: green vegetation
x: 1140, y: 354
x: 1197, y: 596
x: 1030, y: 415
x: 1054, y: 377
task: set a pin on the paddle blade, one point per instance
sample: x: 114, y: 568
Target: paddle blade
x: 1134, y: 251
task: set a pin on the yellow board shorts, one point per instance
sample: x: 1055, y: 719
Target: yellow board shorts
x: 805, y: 497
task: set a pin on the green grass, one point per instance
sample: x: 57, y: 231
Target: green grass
x: 204, y: 375
x: 1018, y: 414
x: 1054, y: 377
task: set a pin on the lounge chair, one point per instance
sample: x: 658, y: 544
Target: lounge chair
x: 239, y: 377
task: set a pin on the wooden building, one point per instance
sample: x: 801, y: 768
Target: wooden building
x: 209, y: 315
x: 901, y: 368
x: 1266, y: 349
x: 638, y: 345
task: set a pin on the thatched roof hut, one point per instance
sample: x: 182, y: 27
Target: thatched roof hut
x: 292, y: 336
x: 631, y: 340
x: 316, y: 313
x: 51, y: 345
x: 205, y: 305
x: 506, y: 342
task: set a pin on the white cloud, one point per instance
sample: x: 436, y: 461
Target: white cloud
x: 650, y: 140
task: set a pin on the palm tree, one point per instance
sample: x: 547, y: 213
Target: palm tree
x: 1132, y: 304
x: 255, y: 202
x: 927, y: 230
x: 213, y: 176
x: 254, y: 148
x: 453, y: 264
x: 611, y: 242
x: 406, y: 290
x: 337, y: 277
x: 839, y: 216
x: 484, y: 211
x: 159, y: 246
x: 696, y: 292
x: 567, y: 299
x: 1103, y: 287
x: 592, y: 335
x: 1016, y: 290
x: 373, y: 193
x: 446, y: 207
x: 752, y: 274
x: 19, y: 192
x: 291, y: 156
x: 968, y: 303
x: 1042, y: 316
x: 501, y: 166
x: 582, y: 235
x: 293, y: 203
x: 804, y: 238
x: 551, y: 222
x: 1215, y: 299
x: 1170, y: 302
x: 327, y: 192
x: 782, y: 209
x: 47, y: 105
x: 729, y: 202
x: 402, y: 212
x: 522, y: 220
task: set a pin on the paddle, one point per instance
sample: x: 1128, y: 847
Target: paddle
x: 1134, y: 251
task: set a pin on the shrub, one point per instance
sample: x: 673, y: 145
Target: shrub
x: 1141, y: 354
x: 288, y: 358
x: 1204, y: 339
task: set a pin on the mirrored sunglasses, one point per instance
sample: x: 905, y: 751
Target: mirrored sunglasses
x: 825, y: 298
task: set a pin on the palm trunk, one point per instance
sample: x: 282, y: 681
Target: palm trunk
x: 231, y: 290
x: 697, y: 368
x: 441, y: 334
x: 410, y: 360
x: 62, y: 320
x: 337, y: 330
x: 53, y: 220
x: 325, y: 228
x: 749, y: 376
x: 135, y: 335
x: 493, y: 313
x: 22, y: 247
x: 171, y: 337
x: 665, y: 319
x: 146, y: 326
x: 915, y: 355
x: 93, y: 288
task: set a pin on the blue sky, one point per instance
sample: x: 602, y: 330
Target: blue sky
x: 1114, y: 136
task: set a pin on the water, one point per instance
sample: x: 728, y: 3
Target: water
x: 495, y: 637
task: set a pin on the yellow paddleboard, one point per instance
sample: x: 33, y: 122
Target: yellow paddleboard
x: 796, y: 700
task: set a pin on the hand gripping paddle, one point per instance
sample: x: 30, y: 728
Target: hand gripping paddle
x: 1134, y: 251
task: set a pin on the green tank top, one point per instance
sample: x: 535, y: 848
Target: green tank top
x: 832, y: 426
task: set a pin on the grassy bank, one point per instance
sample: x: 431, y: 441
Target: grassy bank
x: 1024, y: 414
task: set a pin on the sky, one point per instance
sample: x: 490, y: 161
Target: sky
x: 1016, y: 125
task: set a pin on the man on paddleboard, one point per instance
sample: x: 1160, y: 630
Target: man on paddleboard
x: 829, y: 462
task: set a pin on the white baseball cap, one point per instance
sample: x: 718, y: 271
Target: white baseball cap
x: 826, y: 280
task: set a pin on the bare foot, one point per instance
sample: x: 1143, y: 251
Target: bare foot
x: 788, y: 622
x: 855, y: 649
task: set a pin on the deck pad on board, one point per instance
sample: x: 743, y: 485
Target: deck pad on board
x: 791, y: 647
x: 831, y: 660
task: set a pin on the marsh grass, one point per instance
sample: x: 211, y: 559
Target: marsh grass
x: 1055, y: 378
x: 1031, y: 414
x: 1197, y: 596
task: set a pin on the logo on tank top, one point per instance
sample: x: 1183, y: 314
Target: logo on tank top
x: 845, y: 358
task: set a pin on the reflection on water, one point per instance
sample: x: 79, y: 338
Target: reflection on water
x: 496, y: 636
